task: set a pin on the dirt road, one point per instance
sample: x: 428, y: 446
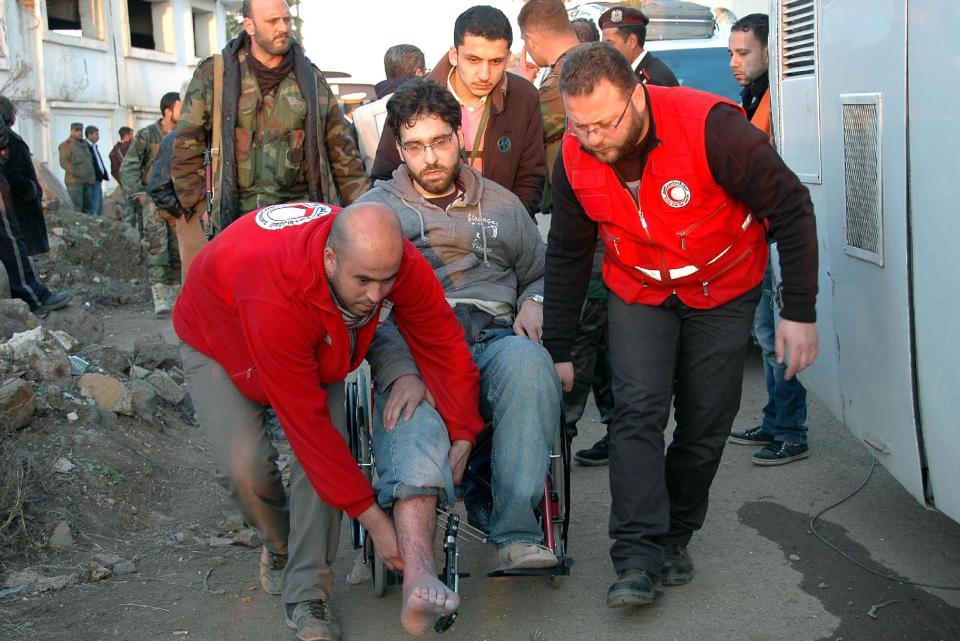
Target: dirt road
x: 760, y: 575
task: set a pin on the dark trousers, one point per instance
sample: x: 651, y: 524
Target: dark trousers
x: 23, y: 282
x: 695, y: 357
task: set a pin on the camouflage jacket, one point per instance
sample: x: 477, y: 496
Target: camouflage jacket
x: 135, y: 168
x: 77, y: 162
x: 267, y: 157
x: 554, y: 124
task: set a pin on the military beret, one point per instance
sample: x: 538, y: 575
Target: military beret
x: 622, y: 17
x: 76, y: 125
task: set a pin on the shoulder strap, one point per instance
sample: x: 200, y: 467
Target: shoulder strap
x: 217, y: 113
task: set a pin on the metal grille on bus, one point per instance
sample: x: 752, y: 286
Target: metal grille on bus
x: 861, y: 162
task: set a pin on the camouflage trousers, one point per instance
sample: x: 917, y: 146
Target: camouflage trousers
x: 163, y: 249
x: 591, y: 366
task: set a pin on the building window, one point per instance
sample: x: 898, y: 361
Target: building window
x: 151, y: 25
x: 79, y: 18
x: 204, y: 33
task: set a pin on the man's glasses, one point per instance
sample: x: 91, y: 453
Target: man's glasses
x: 440, y: 143
x: 585, y: 132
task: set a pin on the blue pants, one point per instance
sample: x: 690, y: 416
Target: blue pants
x: 95, y: 198
x: 520, y: 398
x: 785, y: 414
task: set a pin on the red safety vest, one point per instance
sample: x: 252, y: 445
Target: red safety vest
x: 688, y: 236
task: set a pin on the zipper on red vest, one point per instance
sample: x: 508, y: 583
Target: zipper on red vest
x: 643, y: 219
x: 723, y: 271
x: 710, y: 216
x: 613, y: 239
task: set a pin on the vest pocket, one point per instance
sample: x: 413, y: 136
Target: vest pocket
x: 290, y: 169
x: 245, y: 169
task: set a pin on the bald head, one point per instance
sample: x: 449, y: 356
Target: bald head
x: 362, y: 256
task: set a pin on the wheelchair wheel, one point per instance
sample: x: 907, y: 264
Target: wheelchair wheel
x: 378, y: 571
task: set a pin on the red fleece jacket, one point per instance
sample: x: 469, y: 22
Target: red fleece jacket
x: 257, y: 302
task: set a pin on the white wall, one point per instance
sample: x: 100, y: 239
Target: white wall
x: 101, y: 81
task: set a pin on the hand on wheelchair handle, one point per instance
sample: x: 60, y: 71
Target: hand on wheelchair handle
x: 405, y: 395
x: 565, y: 372
x: 380, y: 526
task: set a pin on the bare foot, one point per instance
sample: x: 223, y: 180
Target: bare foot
x: 424, y: 600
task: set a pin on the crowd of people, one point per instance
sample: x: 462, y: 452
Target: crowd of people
x: 406, y: 236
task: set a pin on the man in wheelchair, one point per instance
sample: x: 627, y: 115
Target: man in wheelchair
x: 276, y: 310
x: 488, y: 255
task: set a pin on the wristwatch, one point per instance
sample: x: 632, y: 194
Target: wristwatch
x: 537, y: 298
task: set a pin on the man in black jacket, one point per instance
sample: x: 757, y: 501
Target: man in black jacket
x: 23, y: 282
x: 26, y: 193
x: 626, y: 29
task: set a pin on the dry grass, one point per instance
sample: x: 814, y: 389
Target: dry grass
x: 15, y: 476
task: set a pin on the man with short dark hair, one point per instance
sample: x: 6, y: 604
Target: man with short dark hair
x: 488, y: 255
x: 502, y: 127
x: 278, y: 308
x: 626, y: 29
x: 548, y: 37
x: 92, y: 135
x: 159, y: 225
x: 77, y: 164
x: 679, y: 185
x: 586, y: 30
x: 400, y: 63
x: 119, y: 151
x: 782, y: 430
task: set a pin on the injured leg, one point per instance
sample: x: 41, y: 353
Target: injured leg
x: 425, y: 597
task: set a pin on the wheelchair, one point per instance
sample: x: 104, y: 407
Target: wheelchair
x: 553, y: 511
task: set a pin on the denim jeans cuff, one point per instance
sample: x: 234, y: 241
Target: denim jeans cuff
x: 535, y: 540
x: 402, y: 491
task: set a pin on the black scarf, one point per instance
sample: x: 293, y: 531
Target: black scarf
x: 269, y: 78
x: 307, y: 82
x: 751, y: 94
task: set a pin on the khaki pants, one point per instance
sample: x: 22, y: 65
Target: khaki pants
x: 299, y: 525
x: 191, y: 238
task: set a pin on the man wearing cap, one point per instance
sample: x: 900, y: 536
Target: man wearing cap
x: 626, y: 29
x: 78, y: 170
x: 502, y: 127
x: 681, y: 188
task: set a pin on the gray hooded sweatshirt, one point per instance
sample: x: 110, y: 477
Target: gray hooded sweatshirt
x: 484, y: 249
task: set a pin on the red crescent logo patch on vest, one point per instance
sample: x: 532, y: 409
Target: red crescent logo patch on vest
x: 277, y: 217
x: 675, y: 193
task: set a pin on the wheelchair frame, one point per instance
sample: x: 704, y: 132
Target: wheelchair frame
x: 553, y: 510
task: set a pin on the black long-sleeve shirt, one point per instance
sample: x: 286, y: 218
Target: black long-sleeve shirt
x: 745, y: 165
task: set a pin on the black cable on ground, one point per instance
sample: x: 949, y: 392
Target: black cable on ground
x: 890, y: 577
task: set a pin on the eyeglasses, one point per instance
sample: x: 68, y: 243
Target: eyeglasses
x: 440, y: 143
x: 586, y: 131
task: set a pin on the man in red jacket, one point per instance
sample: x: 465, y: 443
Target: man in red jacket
x: 674, y: 180
x: 276, y: 310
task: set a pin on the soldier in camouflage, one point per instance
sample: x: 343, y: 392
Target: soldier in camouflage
x: 159, y: 226
x: 78, y: 170
x: 547, y: 37
x: 282, y: 137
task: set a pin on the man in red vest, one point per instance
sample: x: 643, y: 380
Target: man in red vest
x: 674, y: 180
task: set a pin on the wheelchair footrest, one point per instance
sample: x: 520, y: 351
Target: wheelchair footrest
x: 561, y: 569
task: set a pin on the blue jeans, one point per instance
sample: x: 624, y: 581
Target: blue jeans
x: 520, y: 399
x: 785, y: 414
x: 413, y: 459
x: 95, y: 198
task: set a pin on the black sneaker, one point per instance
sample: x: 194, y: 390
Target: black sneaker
x: 754, y: 436
x: 480, y: 515
x: 781, y: 453
x: 633, y: 587
x: 312, y: 620
x: 677, y: 565
x: 599, y: 454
